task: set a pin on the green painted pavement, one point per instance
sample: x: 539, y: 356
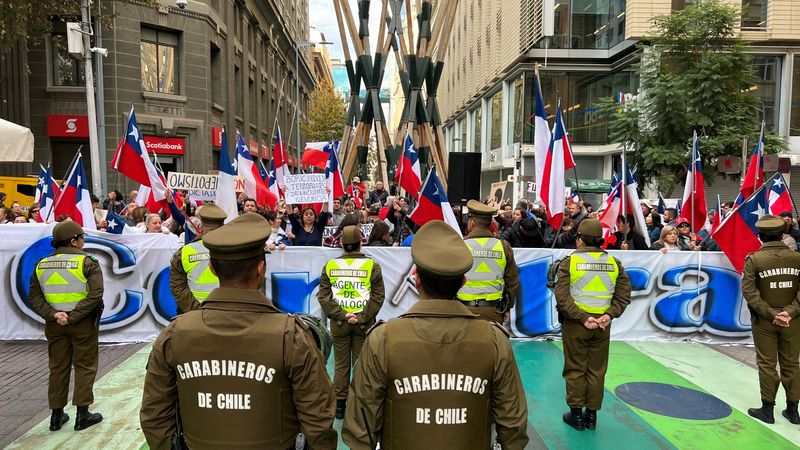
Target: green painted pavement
x: 719, y: 375
x: 627, y: 364
x: 540, y: 365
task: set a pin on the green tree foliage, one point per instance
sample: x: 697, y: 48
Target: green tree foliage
x: 694, y: 75
x: 24, y: 19
x: 326, y: 115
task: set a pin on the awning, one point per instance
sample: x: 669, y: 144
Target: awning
x: 590, y: 186
x: 16, y: 142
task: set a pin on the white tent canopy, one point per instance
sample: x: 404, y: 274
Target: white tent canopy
x: 16, y: 142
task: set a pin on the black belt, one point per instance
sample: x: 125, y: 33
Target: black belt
x: 480, y: 303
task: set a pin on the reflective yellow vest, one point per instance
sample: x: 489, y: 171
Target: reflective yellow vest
x: 350, y: 282
x: 62, y: 280
x: 194, y: 258
x: 592, y: 278
x: 485, y: 278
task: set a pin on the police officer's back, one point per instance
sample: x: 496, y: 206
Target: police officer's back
x: 246, y: 375
x: 436, y: 377
x: 770, y: 284
x: 190, y: 278
x: 67, y: 291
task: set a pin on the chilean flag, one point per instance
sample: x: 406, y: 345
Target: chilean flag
x: 132, y: 160
x: 146, y: 197
x: 755, y: 170
x: 559, y: 160
x: 280, y: 158
x: 315, y: 154
x: 75, y: 200
x: 694, y: 192
x: 272, y: 184
x: 541, y: 140
x: 633, y: 205
x: 432, y: 204
x: 737, y: 235
x: 226, y: 193
x: 612, y: 210
x: 262, y: 171
x: 408, y: 174
x: 254, y: 185
x: 779, y: 199
x: 333, y: 174
x: 46, y: 192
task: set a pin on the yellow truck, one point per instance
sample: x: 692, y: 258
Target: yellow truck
x: 19, y: 189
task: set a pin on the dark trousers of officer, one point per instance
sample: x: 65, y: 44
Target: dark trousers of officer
x: 487, y: 313
x: 73, y: 345
x: 777, y: 345
x: 585, y: 364
x: 347, y: 342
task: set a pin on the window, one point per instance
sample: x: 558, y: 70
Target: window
x: 588, y: 24
x: 239, y: 84
x: 462, y: 143
x: 497, y: 116
x: 794, y: 126
x: 67, y: 71
x: 754, y: 14
x: 476, y: 121
x: 251, y: 96
x: 767, y: 70
x: 159, y: 61
x: 515, y: 114
x: 216, y: 74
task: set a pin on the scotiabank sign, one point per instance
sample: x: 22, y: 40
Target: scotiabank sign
x: 165, y: 145
x: 216, y: 137
x: 71, y: 126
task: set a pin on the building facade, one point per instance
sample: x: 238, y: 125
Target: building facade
x: 188, y: 72
x: 487, y: 89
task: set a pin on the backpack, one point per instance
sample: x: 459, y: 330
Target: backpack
x: 552, y: 272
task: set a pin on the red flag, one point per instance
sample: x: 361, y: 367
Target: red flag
x: 737, y: 235
x: 315, y: 155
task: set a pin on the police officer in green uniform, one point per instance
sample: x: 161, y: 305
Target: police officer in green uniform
x: 244, y: 375
x: 351, y: 294
x: 492, y: 283
x: 436, y: 377
x: 190, y: 278
x: 770, y: 284
x: 67, y: 291
x: 591, y: 289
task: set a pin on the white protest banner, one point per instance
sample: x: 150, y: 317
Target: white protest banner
x: 328, y: 232
x: 531, y: 187
x: 306, y: 188
x: 199, y: 186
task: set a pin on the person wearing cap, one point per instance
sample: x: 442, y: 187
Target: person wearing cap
x: 770, y: 283
x: 524, y: 233
x: 238, y: 373
x: 492, y: 293
x: 418, y: 382
x: 351, y: 294
x: 356, y: 191
x: 591, y: 289
x: 685, y: 235
x: 790, y: 231
x: 66, y: 290
x: 190, y: 277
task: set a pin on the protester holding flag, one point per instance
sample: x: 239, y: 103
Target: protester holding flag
x: 190, y: 278
x: 791, y: 228
x: 74, y: 199
x: 133, y: 160
x: 490, y: 294
x: 407, y: 174
x: 770, y: 284
x: 754, y: 177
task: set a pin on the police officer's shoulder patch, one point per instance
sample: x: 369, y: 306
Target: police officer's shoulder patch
x: 502, y: 328
x: 92, y: 257
x: 377, y: 324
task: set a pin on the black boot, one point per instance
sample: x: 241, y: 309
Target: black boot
x: 590, y: 419
x: 574, y: 418
x: 84, y: 419
x: 59, y: 418
x: 791, y: 413
x: 340, y: 404
x: 765, y: 413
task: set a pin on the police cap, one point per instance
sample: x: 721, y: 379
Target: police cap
x: 351, y: 234
x: 479, y: 209
x: 66, y: 230
x: 438, y: 250
x: 242, y: 238
x: 770, y: 223
x: 590, y: 228
x: 212, y: 216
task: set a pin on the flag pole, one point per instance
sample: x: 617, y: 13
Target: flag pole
x: 64, y: 181
x: 694, y: 175
x: 622, y: 192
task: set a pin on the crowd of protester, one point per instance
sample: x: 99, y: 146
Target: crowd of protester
x: 523, y: 225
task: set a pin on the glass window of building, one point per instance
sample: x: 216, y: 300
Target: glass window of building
x: 754, y: 14
x: 794, y: 125
x: 476, y: 126
x: 560, y: 37
x: 67, y: 71
x: 516, y: 113
x: 588, y: 24
x: 496, y: 114
x: 462, y: 142
x: 159, y: 51
x: 767, y: 71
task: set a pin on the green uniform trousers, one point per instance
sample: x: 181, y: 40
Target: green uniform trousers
x: 487, y: 313
x: 347, y: 342
x: 585, y: 363
x: 778, y: 345
x: 73, y: 345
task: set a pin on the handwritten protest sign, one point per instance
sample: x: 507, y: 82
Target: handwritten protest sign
x: 329, y: 235
x: 306, y: 188
x: 198, y: 186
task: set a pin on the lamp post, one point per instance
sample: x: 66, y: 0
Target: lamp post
x: 297, y: 47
